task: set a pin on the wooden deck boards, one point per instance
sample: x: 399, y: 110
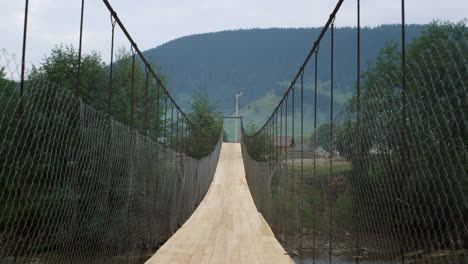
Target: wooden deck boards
x: 226, y: 227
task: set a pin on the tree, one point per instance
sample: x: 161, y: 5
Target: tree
x: 4, y: 82
x: 65, y: 165
x: 260, y: 144
x: 123, y: 73
x: 208, y: 125
x: 430, y: 159
x: 323, y: 137
x: 9, y: 100
x: 60, y: 68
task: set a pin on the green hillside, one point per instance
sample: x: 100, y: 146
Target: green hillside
x: 261, y: 62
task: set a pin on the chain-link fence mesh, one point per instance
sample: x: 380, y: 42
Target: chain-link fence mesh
x: 78, y: 187
x: 375, y: 185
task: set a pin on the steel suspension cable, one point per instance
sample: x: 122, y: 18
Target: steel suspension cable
x: 358, y: 72
x: 331, y: 139
x: 19, y: 164
x: 132, y: 96
x: 77, y: 118
x: 111, y: 67
x: 404, y: 147
x: 78, y: 74
x: 165, y: 121
x: 172, y: 126
x: 275, y: 123
x: 182, y: 136
x: 144, y: 60
x: 285, y: 168
x: 293, y: 181
x: 177, y: 148
x: 309, y: 55
x: 132, y: 138
x: 301, y: 197
x: 281, y: 164
x: 315, y: 153
x: 20, y: 134
x: 109, y: 137
x: 145, y: 126
x: 80, y: 48
x: 358, y: 117
x: 403, y: 73
x: 158, y: 118
x: 276, y: 137
x: 23, y: 57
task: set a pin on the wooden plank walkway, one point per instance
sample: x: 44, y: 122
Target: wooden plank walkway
x: 226, y: 227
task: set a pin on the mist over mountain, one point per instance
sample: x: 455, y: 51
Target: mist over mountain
x: 262, y: 62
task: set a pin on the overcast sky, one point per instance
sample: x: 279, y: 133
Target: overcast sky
x: 154, y: 22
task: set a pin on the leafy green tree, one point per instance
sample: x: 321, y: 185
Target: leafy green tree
x: 323, y: 137
x: 69, y: 170
x: 208, y: 123
x: 45, y: 121
x: 60, y: 68
x: 123, y: 73
x: 431, y: 161
x: 260, y: 146
x: 9, y: 100
x: 4, y: 82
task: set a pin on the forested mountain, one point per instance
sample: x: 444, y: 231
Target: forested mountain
x: 261, y: 62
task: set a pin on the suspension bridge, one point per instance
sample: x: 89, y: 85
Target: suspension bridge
x: 226, y: 227
x: 85, y: 180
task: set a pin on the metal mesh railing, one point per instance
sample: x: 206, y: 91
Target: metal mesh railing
x: 375, y: 184
x: 78, y: 187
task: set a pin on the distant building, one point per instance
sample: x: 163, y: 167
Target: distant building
x: 302, y: 147
x: 285, y: 142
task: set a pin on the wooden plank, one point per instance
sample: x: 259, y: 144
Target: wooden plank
x: 226, y: 227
